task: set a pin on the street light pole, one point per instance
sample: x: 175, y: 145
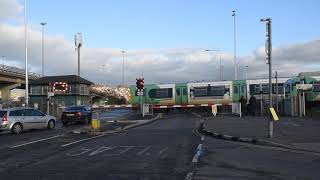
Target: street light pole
x: 78, y: 44
x: 123, y: 67
x: 269, y: 61
x: 246, y: 75
x: 234, y: 44
x: 220, y: 68
x: 26, y: 54
x: 42, y: 26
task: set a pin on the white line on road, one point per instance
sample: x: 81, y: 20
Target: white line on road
x: 39, y: 140
x: 164, y: 149
x: 64, y: 145
x: 144, y: 150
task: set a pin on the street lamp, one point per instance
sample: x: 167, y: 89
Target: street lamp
x: 78, y: 44
x: 42, y: 27
x: 246, y: 72
x: 123, y: 52
x: 217, y: 50
x: 234, y: 44
x: 268, y: 54
x: 26, y: 54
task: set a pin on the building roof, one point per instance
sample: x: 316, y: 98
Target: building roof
x: 70, y: 79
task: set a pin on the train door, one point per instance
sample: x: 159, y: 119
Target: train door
x: 239, y: 89
x: 181, y: 94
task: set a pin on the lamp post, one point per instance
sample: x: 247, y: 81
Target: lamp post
x: 26, y: 54
x: 269, y: 61
x: 246, y: 72
x: 123, y: 52
x: 220, y: 68
x: 42, y: 27
x: 78, y: 44
x: 234, y: 45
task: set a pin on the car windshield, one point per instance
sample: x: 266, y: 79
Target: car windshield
x: 2, y: 113
x: 75, y: 108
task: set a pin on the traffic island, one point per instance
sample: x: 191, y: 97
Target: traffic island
x: 116, y: 125
x: 290, y: 133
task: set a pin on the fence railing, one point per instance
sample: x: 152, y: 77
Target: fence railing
x: 14, y: 71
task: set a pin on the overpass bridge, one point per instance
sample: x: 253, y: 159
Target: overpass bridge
x: 11, y: 78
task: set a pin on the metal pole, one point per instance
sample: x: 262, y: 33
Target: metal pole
x: 246, y: 72
x: 277, y: 87
x: 222, y: 73
x: 26, y: 54
x: 78, y: 61
x: 42, y: 27
x: 220, y: 68
x: 234, y: 44
x: 123, y: 67
x: 270, y: 74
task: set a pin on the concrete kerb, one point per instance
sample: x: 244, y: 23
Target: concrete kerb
x: 119, y: 129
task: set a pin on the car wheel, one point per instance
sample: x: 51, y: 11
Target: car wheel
x: 17, y: 128
x: 51, y: 124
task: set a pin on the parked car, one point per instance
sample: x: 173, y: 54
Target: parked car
x: 18, y: 119
x: 81, y: 114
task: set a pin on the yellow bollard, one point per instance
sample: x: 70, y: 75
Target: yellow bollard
x: 95, y: 122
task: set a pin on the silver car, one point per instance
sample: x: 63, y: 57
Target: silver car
x: 18, y: 119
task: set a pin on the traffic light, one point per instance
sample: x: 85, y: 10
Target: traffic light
x: 140, y: 83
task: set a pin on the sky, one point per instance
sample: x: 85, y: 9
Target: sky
x: 164, y: 40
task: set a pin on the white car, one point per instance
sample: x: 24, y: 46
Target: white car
x: 18, y: 119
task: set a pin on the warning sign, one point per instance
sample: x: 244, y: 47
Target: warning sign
x: 274, y: 114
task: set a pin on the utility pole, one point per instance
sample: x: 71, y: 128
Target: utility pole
x: 42, y: 27
x: 277, y: 86
x: 123, y: 67
x: 246, y: 72
x: 269, y: 61
x: 234, y: 45
x: 26, y: 54
x: 78, y: 44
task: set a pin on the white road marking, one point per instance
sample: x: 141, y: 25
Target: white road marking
x: 125, y: 150
x: 144, y: 150
x: 100, y: 150
x: 83, y: 150
x: 64, y: 145
x: 164, y: 149
x: 40, y: 140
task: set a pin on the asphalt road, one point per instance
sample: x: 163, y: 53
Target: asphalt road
x: 160, y: 150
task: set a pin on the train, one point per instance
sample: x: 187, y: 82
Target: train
x: 223, y: 92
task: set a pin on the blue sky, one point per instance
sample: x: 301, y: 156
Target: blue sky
x: 138, y: 24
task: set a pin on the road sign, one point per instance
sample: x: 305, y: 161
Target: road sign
x: 304, y: 87
x: 274, y: 114
x: 140, y: 93
x: 50, y: 94
x: 214, y: 110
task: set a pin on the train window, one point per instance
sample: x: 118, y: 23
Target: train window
x: 316, y: 87
x: 265, y: 88
x: 185, y: 91
x: 178, y: 91
x: 200, y: 91
x: 161, y: 93
x: 243, y: 89
x: 218, y: 90
x: 235, y: 89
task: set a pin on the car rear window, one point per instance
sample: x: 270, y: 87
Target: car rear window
x: 2, y: 113
x: 75, y: 108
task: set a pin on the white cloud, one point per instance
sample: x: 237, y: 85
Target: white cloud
x: 9, y: 9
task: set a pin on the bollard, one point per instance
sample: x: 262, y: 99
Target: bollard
x: 95, y: 122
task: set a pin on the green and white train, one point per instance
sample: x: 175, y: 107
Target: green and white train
x: 221, y: 92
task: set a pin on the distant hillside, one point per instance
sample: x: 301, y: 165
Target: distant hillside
x: 109, y: 91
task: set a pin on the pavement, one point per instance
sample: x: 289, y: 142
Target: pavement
x: 297, y: 157
x: 163, y: 149
x: 291, y: 132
